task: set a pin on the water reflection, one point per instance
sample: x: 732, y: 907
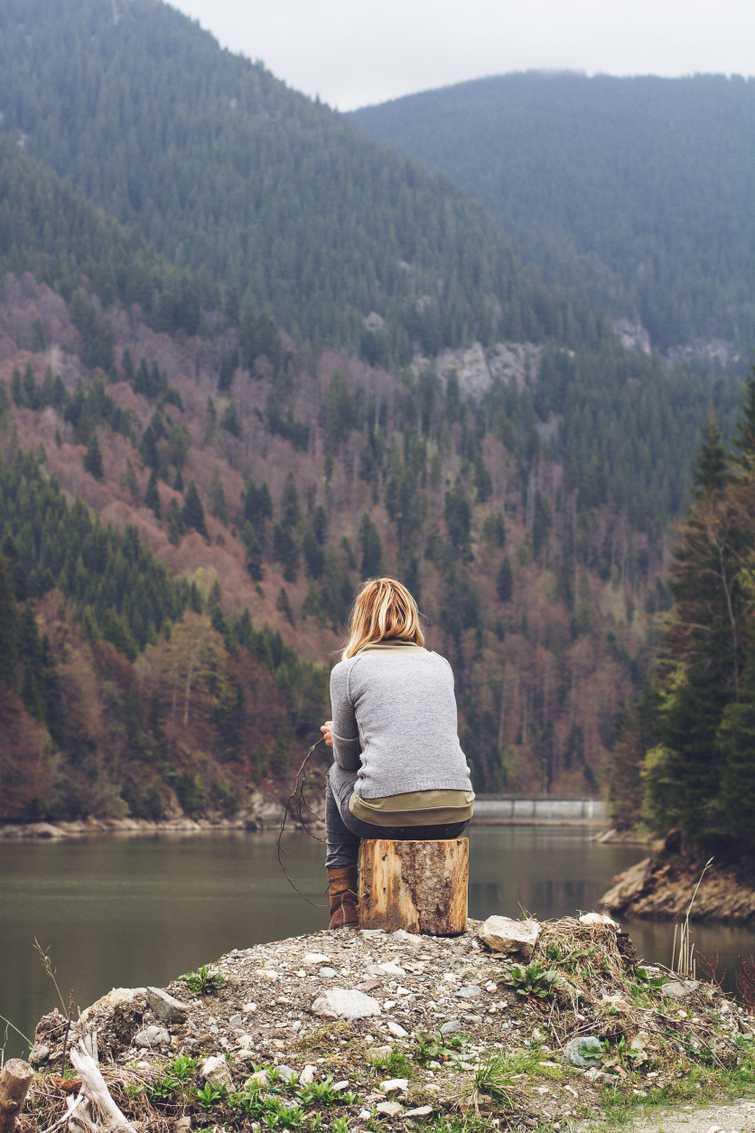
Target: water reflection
x: 135, y: 911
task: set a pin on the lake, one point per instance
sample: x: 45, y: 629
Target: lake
x: 132, y: 911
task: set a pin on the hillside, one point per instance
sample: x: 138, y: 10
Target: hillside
x: 269, y: 192
x: 269, y: 479
x: 633, y: 193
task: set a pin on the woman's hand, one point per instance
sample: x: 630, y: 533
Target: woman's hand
x: 327, y: 732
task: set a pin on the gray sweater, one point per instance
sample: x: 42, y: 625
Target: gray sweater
x: 395, y: 723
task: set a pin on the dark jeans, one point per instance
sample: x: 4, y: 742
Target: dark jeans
x: 345, y: 831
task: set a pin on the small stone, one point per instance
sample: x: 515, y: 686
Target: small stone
x: 166, y: 1007
x: 343, y: 1003
x: 39, y: 1054
x: 390, y: 1109
x: 236, y: 1020
x: 596, y: 919
x: 327, y: 973
x: 183, y: 1125
x: 378, y: 1053
x: 286, y: 1073
x: 365, y: 1114
x: 509, y: 936
x: 151, y: 1036
x: 395, y: 1086
x: 215, y: 1070
x: 258, y: 1080
x: 312, y: 958
x: 406, y: 937
x: 249, y: 1008
x: 388, y: 969
x: 451, y: 1027
x: 397, y: 1030
x: 389, y: 1004
x: 468, y: 991
x: 369, y: 985
x: 307, y: 1076
x: 679, y: 989
x: 339, y: 1087
x: 420, y: 1111
x: 584, y: 1051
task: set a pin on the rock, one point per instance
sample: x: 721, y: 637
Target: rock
x: 395, y: 1086
x: 215, y: 1070
x: 312, y: 958
x: 151, y: 1036
x: 258, y: 1080
x: 249, y: 1008
x: 679, y: 989
x: 365, y: 1114
x: 468, y: 991
x: 166, y: 1007
x: 420, y: 1111
x: 504, y: 934
x: 287, y: 1074
x: 236, y: 1021
x: 397, y: 1030
x: 598, y: 919
x: 378, y: 1053
x: 339, y: 1087
x: 451, y: 1027
x: 584, y: 1051
x: 39, y: 1054
x: 327, y: 973
x: 390, y: 1109
x: 183, y: 1125
x: 117, y: 997
x: 307, y: 1076
x: 388, y: 969
x: 342, y: 1003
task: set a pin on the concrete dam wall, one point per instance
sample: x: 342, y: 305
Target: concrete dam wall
x: 509, y: 810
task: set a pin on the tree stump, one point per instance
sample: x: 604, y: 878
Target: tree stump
x: 15, y: 1079
x: 418, y: 886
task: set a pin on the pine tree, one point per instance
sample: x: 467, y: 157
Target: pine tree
x: 152, y: 495
x: 8, y: 626
x: 505, y: 581
x: 745, y: 438
x: 372, y: 551
x: 736, y: 744
x: 192, y: 512
x: 93, y: 458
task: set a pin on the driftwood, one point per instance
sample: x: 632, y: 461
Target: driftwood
x: 417, y: 886
x: 94, y: 1108
x: 15, y: 1079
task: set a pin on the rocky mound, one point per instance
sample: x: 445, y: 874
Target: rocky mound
x: 512, y: 1025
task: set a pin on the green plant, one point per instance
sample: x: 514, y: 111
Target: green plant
x: 179, y: 1073
x: 204, y: 981
x: 534, y: 979
x: 395, y: 1063
x: 210, y: 1095
x: 437, y: 1048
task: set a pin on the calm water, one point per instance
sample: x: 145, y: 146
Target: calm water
x: 126, y: 912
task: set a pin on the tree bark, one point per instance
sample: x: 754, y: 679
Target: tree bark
x: 418, y: 886
x: 15, y: 1079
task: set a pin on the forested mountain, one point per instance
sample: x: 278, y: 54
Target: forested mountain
x: 686, y: 754
x: 634, y: 193
x: 224, y: 168
x: 269, y: 479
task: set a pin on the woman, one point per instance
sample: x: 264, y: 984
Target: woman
x: 398, y: 770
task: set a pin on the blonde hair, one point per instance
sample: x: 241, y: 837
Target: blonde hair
x: 383, y: 608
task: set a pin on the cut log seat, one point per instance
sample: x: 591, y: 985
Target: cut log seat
x: 418, y: 886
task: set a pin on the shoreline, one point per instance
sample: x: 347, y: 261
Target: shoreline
x: 389, y: 1027
x: 256, y: 823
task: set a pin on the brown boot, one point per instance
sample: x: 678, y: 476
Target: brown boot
x: 342, y: 891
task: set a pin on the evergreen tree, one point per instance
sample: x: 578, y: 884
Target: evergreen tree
x: 152, y: 495
x: 8, y: 626
x: 93, y: 458
x: 192, y: 513
x: 505, y: 581
x: 736, y: 745
x: 372, y: 551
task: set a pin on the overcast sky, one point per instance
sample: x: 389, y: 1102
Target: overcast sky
x: 354, y: 52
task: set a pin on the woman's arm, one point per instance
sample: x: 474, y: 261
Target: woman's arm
x: 346, y: 746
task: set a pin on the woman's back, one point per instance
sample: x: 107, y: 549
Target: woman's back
x: 395, y: 721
